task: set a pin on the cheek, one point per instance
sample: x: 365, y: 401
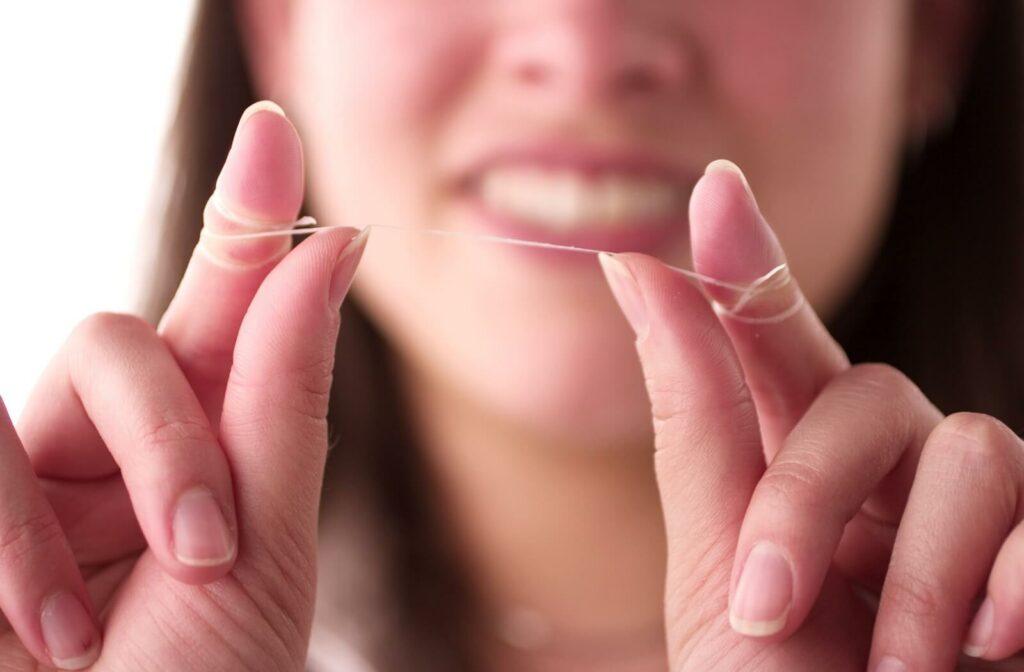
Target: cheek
x: 468, y: 318
x: 371, y: 81
x: 811, y: 92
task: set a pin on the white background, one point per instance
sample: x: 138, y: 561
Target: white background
x: 86, y: 90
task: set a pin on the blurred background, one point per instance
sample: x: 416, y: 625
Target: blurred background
x: 86, y: 100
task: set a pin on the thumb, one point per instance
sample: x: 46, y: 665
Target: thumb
x: 273, y: 426
x: 708, y: 455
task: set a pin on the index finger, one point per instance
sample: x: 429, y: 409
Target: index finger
x: 788, y: 362
x: 261, y: 188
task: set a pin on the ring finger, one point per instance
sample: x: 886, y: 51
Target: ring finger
x: 964, y: 502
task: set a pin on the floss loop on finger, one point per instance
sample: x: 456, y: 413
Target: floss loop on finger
x: 224, y: 238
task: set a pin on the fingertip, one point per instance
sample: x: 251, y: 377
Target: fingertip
x: 70, y: 633
x: 204, y: 542
x: 346, y: 266
x: 261, y: 106
x: 730, y: 238
x: 627, y: 293
x: 763, y: 597
x: 725, y: 165
x: 262, y: 178
x: 979, y: 635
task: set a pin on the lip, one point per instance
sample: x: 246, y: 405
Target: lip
x: 649, y: 236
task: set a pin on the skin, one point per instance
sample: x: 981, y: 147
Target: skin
x: 764, y: 435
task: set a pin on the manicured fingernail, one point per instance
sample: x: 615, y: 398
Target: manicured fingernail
x: 764, y: 593
x: 345, y: 267
x: 260, y: 106
x: 70, y: 635
x: 201, y: 535
x: 890, y: 664
x: 627, y: 293
x: 728, y: 166
x: 980, y: 635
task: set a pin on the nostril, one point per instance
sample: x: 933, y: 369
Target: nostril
x: 533, y: 73
x: 650, y: 63
x: 638, y: 80
x: 589, y: 54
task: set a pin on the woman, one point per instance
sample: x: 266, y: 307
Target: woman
x: 480, y: 515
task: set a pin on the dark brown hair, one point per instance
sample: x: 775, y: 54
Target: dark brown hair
x: 942, y: 302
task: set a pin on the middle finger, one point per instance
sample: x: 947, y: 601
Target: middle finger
x: 847, y: 443
x: 964, y: 502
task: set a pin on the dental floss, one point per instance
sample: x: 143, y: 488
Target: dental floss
x: 774, y: 280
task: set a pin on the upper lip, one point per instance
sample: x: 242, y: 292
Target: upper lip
x: 588, y: 160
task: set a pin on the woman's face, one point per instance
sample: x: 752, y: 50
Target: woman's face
x: 587, y: 122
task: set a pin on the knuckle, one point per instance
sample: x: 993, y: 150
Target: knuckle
x: 29, y: 534
x: 173, y: 430
x: 977, y: 428
x: 796, y: 486
x: 914, y: 596
x: 877, y: 377
x: 974, y: 437
x: 971, y: 453
x: 674, y: 399
x: 874, y: 383
x: 102, y: 327
x: 100, y: 332
x: 303, y: 390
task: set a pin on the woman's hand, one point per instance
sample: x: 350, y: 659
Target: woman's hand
x: 179, y: 469
x: 866, y: 483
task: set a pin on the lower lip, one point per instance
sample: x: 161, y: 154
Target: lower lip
x: 650, y: 237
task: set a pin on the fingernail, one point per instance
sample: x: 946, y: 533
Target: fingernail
x: 730, y: 167
x: 345, y: 267
x: 286, y: 147
x: 71, y: 637
x: 739, y: 241
x: 980, y: 635
x: 890, y: 664
x: 201, y: 535
x: 764, y: 593
x: 260, y: 106
x: 627, y: 293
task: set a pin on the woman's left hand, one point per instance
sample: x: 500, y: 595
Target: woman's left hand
x: 866, y: 484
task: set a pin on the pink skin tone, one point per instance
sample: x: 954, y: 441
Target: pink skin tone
x: 229, y: 392
x: 122, y: 425
x: 392, y: 140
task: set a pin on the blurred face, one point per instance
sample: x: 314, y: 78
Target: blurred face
x: 583, y: 122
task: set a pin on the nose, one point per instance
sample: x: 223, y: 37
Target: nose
x: 592, y: 49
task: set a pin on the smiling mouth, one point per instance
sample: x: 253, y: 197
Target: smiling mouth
x: 614, y: 203
x: 564, y: 200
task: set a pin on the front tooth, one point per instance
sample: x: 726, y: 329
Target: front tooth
x: 562, y: 199
x: 533, y: 195
x: 616, y: 200
x: 656, y: 199
x: 563, y: 194
x: 492, y: 190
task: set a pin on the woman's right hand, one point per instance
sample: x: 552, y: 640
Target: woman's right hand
x: 179, y: 469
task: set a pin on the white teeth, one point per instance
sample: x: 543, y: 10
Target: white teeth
x: 562, y: 199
